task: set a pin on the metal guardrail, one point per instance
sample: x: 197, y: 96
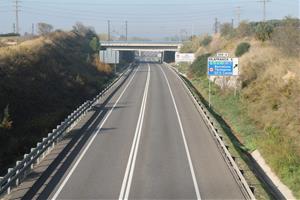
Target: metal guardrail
x: 205, y: 115
x: 15, y: 175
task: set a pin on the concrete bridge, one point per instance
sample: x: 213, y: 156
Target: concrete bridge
x: 166, y: 49
x: 157, y: 46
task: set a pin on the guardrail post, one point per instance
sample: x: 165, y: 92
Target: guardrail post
x: 38, y: 151
x: 25, y: 163
x: 17, y: 172
x: 43, y: 155
x: 9, y: 187
x: 31, y: 150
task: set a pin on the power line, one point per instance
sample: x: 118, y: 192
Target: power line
x: 264, y: 2
x: 126, y: 30
x: 108, y: 30
x: 238, y: 13
x: 216, y: 25
x: 17, y: 15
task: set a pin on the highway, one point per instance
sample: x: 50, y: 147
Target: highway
x: 151, y: 143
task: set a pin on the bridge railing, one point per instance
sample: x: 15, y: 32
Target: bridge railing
x: 22, y: 168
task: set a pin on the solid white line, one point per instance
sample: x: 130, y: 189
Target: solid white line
x: 134, y: 148
x: 139, y: 136
x: 184, y: 139
x: 90, y: 142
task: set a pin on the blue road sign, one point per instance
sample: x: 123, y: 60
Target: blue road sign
x: 220, y: 67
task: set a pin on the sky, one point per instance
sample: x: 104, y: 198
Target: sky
x: 150, y: 19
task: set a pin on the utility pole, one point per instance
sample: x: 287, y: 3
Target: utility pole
x: 216, y: 25
x: 232, y: 23
x: 32, y: 29
x: 108, y: 30
x: 14, y: 28
x: 17, y: 15
x: 126, y: 30
x: 238, y: 13
x: 264, y: 2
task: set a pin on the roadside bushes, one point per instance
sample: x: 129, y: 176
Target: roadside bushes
x: 199, y: 66
x: 242, y: 48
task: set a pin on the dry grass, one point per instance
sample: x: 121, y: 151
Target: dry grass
x: 102, y: 67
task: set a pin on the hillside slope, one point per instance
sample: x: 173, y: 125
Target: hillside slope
x: 42, y: 81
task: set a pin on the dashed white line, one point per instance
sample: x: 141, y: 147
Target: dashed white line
x: 184, y: 139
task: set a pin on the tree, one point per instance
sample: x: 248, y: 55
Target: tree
x: 83, y: 30
x: 44, y: 28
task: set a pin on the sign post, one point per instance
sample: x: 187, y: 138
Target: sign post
x: 221, y: 65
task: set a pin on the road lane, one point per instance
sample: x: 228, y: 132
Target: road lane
x: 162, y: 169
x: 213, y: 174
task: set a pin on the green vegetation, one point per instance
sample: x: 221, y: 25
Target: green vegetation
x: 42, y: 81
x: 264, y: 114
x: 10, y: 35
x: 242, y: 48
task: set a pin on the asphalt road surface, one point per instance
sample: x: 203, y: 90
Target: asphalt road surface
x: 151, y: 144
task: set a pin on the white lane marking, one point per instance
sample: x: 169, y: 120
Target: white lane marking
x: 184, y: 139
x: 126, y: 184
x: 90, y: 142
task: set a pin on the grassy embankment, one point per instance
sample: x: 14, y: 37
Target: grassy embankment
x: 41, y: 82
x: 264, y: 114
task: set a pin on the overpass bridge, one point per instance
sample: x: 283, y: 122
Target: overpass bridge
x: 157, y: 46
x: 165, y: 49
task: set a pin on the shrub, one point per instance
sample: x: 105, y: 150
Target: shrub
x: 244, y: 29
x: 206, y: 41
x: 227, y: 30
x: 242, y: 48
x: 192, y: 45
x: 287, y: 36
x: 263, y: 31
x: 199, y: 66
